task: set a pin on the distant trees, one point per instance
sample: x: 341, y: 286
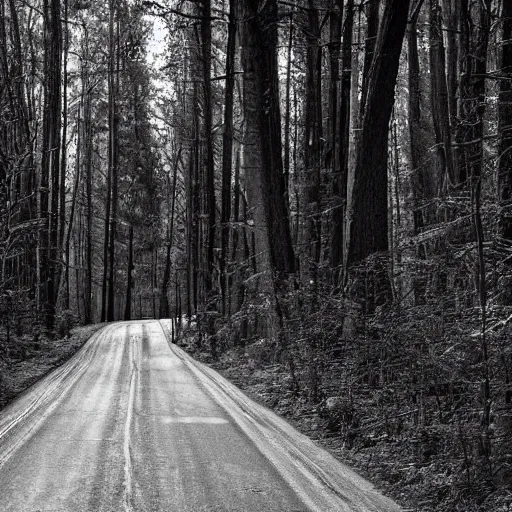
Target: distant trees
x: 271, y: 135
x: 56, y: 163
x: 311, y: 202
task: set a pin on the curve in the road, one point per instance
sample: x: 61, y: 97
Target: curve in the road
x: 133, y: 423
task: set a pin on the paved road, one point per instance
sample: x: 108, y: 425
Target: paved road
x: 131, y: 423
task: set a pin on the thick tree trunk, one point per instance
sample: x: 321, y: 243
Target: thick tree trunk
x: 368, y: 224
x: 88, y: 316
x: 474, y: 42
x: 422, y: 181
x: 505, y: 125
x: 67, y: 245
x: 63, y: 162
x: 106, y: 244
x: 262, y: 158
x: 49, y: 183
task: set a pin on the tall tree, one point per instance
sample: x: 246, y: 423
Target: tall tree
x: 113, y: 112
x: 420, y: 173
x: 505, y: 123
x: 50, y: 158
x: 164, y: 301
x: 372, y: 16
x: 262, y: 154
x: 474, y: 40
x: 209, y: 207
x: 227, y: 151
x: 368, y: 221
x: 341, y: 176
x: 439, y: 100
x: 313, y: 151
x: 262, y: 108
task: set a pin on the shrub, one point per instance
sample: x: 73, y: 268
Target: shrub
x: 64, y: 322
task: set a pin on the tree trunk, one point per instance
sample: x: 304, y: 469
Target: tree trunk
x: 439, y: 101
x: 451, y: 13
x: 67, y: 246
x: 505, y: 125
x: 368, y: 225
x: 340, y: 181
x: 421, y: 179
x: 262, y: 159
x: 113, y: 153
x: 129, y: 281
x: 287, y: 114
x: 89, y: 212
x: 372, y: 28
x: 164, y: 301
x: 209, y: 210
x: 227, y: 152
x: 313, y: 138
x: 63, y: 162
x: 49, y: 184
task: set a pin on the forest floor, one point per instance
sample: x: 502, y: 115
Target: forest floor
x: 269, y: 385
x: 32, y: 360
x: 384, y: 460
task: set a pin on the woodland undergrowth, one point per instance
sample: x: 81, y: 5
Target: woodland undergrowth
x: 28, y: 352
x: 396, y: 391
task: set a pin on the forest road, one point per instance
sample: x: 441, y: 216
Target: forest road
x: 132, y: 423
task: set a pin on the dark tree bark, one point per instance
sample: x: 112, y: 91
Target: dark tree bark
x: 63, y: 160
x: 313, y: 141
x: 261, y: 68
x: 88, y: 316
x: 340, y: 180
x: 439, y: 101
x: 451, y: 13
x: 474, y: 41
x: 264, y: 177
x: 227, y: 153
x: 335, y: 26
x: 369, y: 224
x: 372, y: 16
x: 50, y: 158
x: 114, y: 155
x: 164, y: 301
x: 209, y: 206
x: 505, y: 124
x: 287, y: 114
x: 419, y: 174
x: 129, y: 280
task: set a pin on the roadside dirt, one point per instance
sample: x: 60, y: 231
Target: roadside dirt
x: 32, y: 363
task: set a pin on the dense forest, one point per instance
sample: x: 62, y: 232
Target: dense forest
x: 324, y: 185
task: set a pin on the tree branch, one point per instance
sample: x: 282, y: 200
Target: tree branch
x: 168, y: 10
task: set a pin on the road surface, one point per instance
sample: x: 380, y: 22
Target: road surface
x: 131, y: 423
